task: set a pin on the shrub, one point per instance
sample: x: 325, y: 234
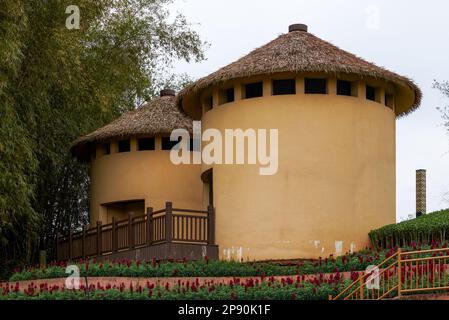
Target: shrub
x: 432, y: 227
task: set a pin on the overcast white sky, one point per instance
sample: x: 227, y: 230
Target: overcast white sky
x: 408, y: 37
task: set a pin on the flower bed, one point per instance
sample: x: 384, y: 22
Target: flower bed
x: 204, y: 268
x: 317, y: 288
x: 216, y: 268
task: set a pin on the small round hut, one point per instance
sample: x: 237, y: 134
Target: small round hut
x: 130, y: 165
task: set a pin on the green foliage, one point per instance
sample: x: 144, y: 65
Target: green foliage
x: 57, y: 84
x: 432, y: 227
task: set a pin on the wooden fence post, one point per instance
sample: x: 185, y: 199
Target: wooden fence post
x: 114, y: 235
x: 168, y: 221
x: 399, y: 271
x: 70, y: 244
x: 99, y: 252
x: 210, y: 225
x: 130, y: 231
x: 149, y: 226
x: 83, y: 244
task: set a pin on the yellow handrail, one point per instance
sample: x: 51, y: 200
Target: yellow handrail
x: 365, y: 275
x: 410, y: 275
x: 362, y: 276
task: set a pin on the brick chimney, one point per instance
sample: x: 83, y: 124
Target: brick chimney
x: 420, y: 192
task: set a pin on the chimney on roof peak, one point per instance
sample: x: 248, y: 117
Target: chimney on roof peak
x: 297, y: 27
x: 167, y: 93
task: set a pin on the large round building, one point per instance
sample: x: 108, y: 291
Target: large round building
x: 335, y: 114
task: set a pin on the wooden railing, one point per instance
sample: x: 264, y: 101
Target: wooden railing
x: 166, y: 225
x: 401, y: 274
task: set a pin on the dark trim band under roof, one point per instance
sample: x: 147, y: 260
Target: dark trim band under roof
x: 302, y: 52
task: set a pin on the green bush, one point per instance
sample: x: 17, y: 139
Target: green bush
x: 429, y: 228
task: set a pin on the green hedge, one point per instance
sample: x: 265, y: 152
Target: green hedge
x: 429, y: 228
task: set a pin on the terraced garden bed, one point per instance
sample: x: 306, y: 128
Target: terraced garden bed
x: 285, y: 288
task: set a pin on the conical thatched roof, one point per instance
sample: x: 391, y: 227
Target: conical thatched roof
x: 160, y: 116
x: 299, y: 51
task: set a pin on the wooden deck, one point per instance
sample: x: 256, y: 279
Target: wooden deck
x: 170, y: 233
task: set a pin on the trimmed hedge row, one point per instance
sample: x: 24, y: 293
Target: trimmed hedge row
x: 429, y: 228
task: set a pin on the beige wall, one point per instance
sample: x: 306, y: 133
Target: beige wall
x: 142, y: 175
x: 336, y: 177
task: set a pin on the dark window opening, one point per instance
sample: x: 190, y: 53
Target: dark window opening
x: 315, y: 86
x: 208, y: 103
x: 167, y: 144
x: 229, y: 95
x: 124, y: 146
x: 287, y: 86
x: 389, y: 100
x: 344, y: 88
x: 253, y: 90
x: 146, y: 144
x: 107, y: 148
x: 226, y: 96
x: 370, y: 93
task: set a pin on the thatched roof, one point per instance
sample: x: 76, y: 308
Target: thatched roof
x: 160, y: 116
x: 299, y: 51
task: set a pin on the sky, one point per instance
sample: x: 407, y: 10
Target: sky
x: 407, y: 37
